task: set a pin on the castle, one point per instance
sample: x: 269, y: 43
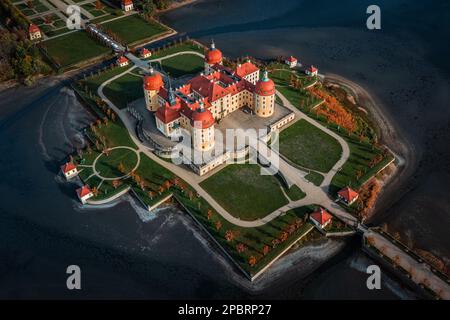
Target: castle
x: 207, y: 98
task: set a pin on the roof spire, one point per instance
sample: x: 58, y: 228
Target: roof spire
x: 213, y: 45
x: 265, y: 76
x: 172, y: 100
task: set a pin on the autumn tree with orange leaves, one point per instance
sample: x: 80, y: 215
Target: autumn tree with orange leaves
x: 333, y: 110
x: 229, y: 235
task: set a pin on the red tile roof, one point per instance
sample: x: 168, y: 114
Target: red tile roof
x: 312, y: 69
x: 127, y: 2
x: 348, y: 194
x: 145, y: 51
x: 168, y: 113
x: 292, y: 59
x: 204, y: 116
x: 321, y: 216
x: 33, y: 28
x: 153, y: 81
x: 68, y: 167
x: 246, y: 69
x: 213, y: 56
x: 122, y: 59
x: 207, y: 87
x: 83, y: 191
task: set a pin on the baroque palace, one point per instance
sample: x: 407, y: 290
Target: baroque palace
x: 207, y: 98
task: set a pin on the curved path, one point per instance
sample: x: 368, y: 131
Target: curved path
x: 315, y: 195
x: 345, y: 148
x: 144, y: 64
x: 98, y: 174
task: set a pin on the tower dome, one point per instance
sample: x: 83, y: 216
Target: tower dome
x: 204, y: 116
x: 265, y: 86
x: 213, y: 55
x: 153, y: 81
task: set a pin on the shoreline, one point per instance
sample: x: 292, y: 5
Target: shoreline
x: 176, y: 5
x: 389, y: 135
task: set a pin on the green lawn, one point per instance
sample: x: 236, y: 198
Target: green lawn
x: 183, y: 64
x: 133, y: 28
x: 299, y: 98
x: 254, y: 239
x: 360, y: 156
x: 315, y: 178
x: 244, y: 192
x: 74, y: 48
x: 107, y: 165
x: 309, y: 147
x: 295, y: 193
x: 187, y: 46
x: 115, y: 134
x: 125, y: 89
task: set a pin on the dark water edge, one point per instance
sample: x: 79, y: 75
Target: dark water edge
x: 43, y: 229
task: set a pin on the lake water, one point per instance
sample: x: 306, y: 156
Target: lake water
x: 43, y: 229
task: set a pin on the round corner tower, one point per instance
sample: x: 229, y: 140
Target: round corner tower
x: 152, y: 83
x: 264, y: 102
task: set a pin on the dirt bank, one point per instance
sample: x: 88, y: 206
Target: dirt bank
x: 390, y: 135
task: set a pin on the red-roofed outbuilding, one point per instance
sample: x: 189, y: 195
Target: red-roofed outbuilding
x: 291, y: 61
x: 312, y: 71
x: 122, y: 61
x: 84, y: 193
x: 34, y: 32
x: 321, y: 218
x: 69, y: 170
x: 145, y: 53
x: 348, y: 195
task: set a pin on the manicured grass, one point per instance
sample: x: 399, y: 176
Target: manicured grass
x: 125, y: 89
x: 315, y: 178
x: 299, y: 98
x: 74, y: 48
x: 183, y: 64
x: 360, y: 156
x: 187, y: 46
x: 94, y: 81
x: 244, y: 192
x: 133, y: 28
x: 309, y: 147
x: 295, y: 193
x: 283, y: 77
x: 115, y: 134
x: 107, y: 165
x: 254, y: 239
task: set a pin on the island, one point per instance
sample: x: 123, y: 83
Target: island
x: 263, y: 155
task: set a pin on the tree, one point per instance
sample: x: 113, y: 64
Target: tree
x: 209, y: 214
x: 252, y: 261
x: 229, y: 235
x: 121, y: 167
x: 275, y: 243
x: 95, y: 191
x: 218, y: 225
x: 358, y: 174
x: 266, y: 249
x: 240, y: 247
x: 151, y: 194
x: 148, y: 8
x: 115, y: 183
x: 98, y: 5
